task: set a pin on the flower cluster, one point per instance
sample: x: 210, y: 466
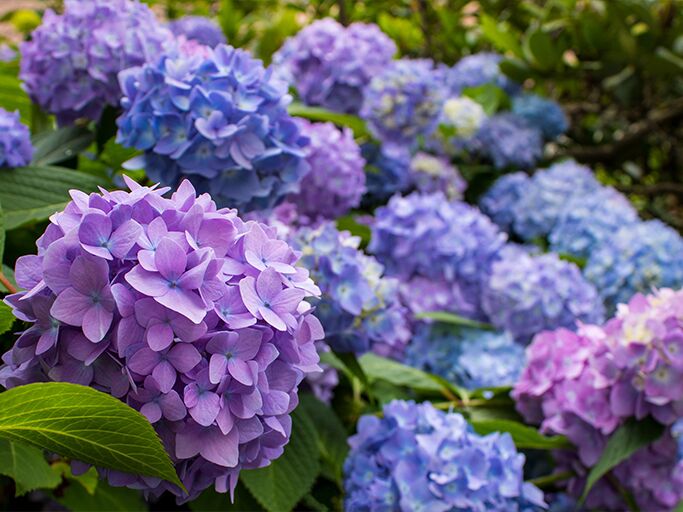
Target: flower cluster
x: 431, y: 174
x: 330, y: 65
x: 418, y: 458
x: 404, y: 102
x: 16, y: 149
x: 359, y: 308
x: 500, y: 200
x: 386, y: 173
x: 198, y: 28
x: 471, y: 358
x: 509, y: 141
x: 527, y: 294
x: 463, y: 116
x: 220, y: 120
x: 479, y: 69
x: 543, y: 114
x: 336, y: 181
x: 184, y: 311
x: 425, y: 235
x: 70, y: 65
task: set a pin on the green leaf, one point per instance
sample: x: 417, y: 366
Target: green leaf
x: 501, y: 35
x: 356, y: 124
x: 540, y: 49
x: 491, y: 97
x: 351, y: 363
x: 452, y: 319
x: 84, y: 424
x: 525, y: 437
x: 280, y: 486
x: 33, y: 194
x: 380, y: 368
x: 112, y: 499
x: 52, y: 147
x: 349, y: 223
x: 679, y: 507
x: 212, y: 501
x: 26, y: 465
x: 627, y: 439
x: 6, y: 318
x: 3, y: 235
x: 9, y: 274
x: 87, y: 480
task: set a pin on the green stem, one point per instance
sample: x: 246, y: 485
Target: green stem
x: 548, y: 480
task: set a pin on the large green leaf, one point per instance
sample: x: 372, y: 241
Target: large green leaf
x: 452, y: 319
x: 502, y: 36
x: 525, y: 437
x: 112, y: 499
x: 280, y: 486
x: 356, y: 124
x: 627, y: 440
x: 26, y: 465
x: 52, y: 147
x: 33, y: 194
x: 6, y: 318
x: 380, y: 368
x: 84, y: 424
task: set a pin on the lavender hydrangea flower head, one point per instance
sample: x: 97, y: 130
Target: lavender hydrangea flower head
x: 387, y: 172
x: 330, y: 65
x: 432, y: 174
x: 182, y: 310
x: 528, y: 294
x: 510, y: 141
x: 336, y: 181
x: 16, y: 149
x: 542, y: 202
x: 69, y: 66
x: 471, y: 358
x: 360, y: 309
x: 637, y: 258
x: 479, y: 69
x: 500, y: 200
x: 543, y: 114
x: 404, y: 102
x: 198, y: 28
x: 220, y: 120
x: 587, y: 220
x: 418, y: 458
x: 425, y: 235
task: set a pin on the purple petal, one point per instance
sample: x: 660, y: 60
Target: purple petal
x: 268, y: 284
x: 172, y: 406
x: 272, y: 318
x: 151, y: 411
x: 165, y: 375
x: 88, y: 274
x: 187, y: 303
x: 288, y: 300
x: 124, y: 238
x: 250, y: 296
x: 249, y: 344
x: 144, y: 361
x: 184, y: 357
x: 94, y: 229
x: 70, y: 307
x: 222, y: 449
x: 217, y: 365
x: 170, y: 259
x: 241, y: 371
x: 275, y: 402
x: 149, y: 283
x: 96, y: 322
x: 159, y: 336
x: 207, y: 408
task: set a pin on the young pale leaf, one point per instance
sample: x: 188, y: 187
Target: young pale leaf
x: 288, y: 479
x: 525, y: 437
x: 33, y: 194
x: 53, y: 147
x: 84, y: 424
x: 26, y: 465
x: 112, y: 499
x: 450, y: 318
x: 320, y: 114
x: 627, y: 440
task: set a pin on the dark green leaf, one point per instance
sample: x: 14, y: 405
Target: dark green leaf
x: 26, y: 465
x: 6, y: 318
x: 376, y: 367
x: 540, y: 49
x: 52, y: 147
x: 525, y: 437
x: 351, y: 363
x: 84, y: 424
x: 356, y: 124
x: 212, y: 501
x: 452, y: 319
x: 623, y: 443
x: 112, y: 499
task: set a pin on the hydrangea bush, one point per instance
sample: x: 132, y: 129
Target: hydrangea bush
x: 16, y: 149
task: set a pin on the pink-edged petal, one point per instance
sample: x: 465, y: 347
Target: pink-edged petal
x: 159, y: 336
x: 70, y: 307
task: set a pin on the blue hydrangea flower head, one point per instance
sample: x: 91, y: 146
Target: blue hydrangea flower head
x: 416, y: 457
x: 471, y: 358
x: 198, y: 28
x: 543, y: 114
x: 527, y: 294
x: 336, y: 181
x: 70, y: 65
x: 387, y: 172
x: 16, y: 149
x: 404, y: 102
x: 545, y: 197
x: 588, y: 219
x: 219, y: 119
x: 479, y: 69
x: 637, y: 258
x: 330, y: 65
x: 433, y: 173
x: 500, y: 200
x: 509, y: 141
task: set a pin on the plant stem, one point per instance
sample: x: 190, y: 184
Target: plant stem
x: 5, y: 282
x: 548, y: 480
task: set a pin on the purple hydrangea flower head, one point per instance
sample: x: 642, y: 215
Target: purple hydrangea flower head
x: 509, y: 141
x: 471, y: 358
x: 543, y: 114
x: 636, y: 259
x: 432, y: 174
x: 479, y: 69
x: 404, y: 102
x: 178, y: 308
x: 416, y: 457
x: 330, y: 65
x: 198, y: 28
x: 544, y: 199
x: 500, y: 200
x: 70, y: 65
x: 387, y: 172
x: 527, y: 294
x: 218, y: 119
x: 360, y: 309
x: 425, y: 235
x: 336, y: 181
x: 322, y: 384
x: 16, y: 149
x: 587, y: 220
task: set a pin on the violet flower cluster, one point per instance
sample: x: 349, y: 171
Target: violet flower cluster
x: 449, y: 243
x: 416, y: 457
x: 479, y: 69
x: 509, y: 141
x: 330, y: 65
x: 198, y: 28
x: 360, y: 308
x: 16, y: 149
x: 500, y: 200
x: 543, y: 114
x: 183, y: 311
x: 431, y: 174
x: 387, y: 172
x: 526, y: 294
x: 470, y: 358
x: 219, y: 120
x: 70, y: 65
x: 336, y: 180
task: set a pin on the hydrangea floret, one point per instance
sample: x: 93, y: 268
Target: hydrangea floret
x: 500, y: 200
x: 431, y: 174
x: 387, y: 173
x: 479, y: 69
x: 509, y: 141
x: 16, y: 149
x: 543, y: 114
